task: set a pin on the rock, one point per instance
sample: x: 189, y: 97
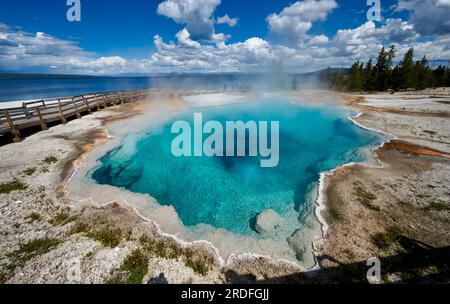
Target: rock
x: 268, y: 221
x: 301, y: 244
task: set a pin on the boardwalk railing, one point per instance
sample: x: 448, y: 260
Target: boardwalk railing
x: 42, y: 112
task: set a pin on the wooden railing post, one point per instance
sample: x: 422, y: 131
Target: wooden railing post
x: 61, y: 113
x: 86, y: 103
x: 26, y: 111
x: 96, y: 102
x: 76, y: 108
x: 41, y: 119
x: 15, y: 132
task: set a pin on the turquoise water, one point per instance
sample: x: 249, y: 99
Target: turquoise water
x: 228, y: 192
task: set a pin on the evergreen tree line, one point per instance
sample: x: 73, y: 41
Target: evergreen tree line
x: 383, y: 75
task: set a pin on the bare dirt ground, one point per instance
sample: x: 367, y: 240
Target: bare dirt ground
x: 398, y: 211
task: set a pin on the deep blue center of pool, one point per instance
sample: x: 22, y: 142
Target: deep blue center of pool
x: 228, y: 192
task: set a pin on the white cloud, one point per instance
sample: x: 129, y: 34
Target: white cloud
x: 397, y: 30
x: 429, y: 17
x: 232, y: 22
x: 20, y: 50
x: 368, y: 39
x: 250, y: 55
x: 196, y: 15
x: 184, y: 39
x: 296, y: 20
x: 358, y: 42
x: 319, y: 40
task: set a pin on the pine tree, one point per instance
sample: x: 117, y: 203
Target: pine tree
x: 390, y: 57
x: 439, y: 76
x: 381, y: 70
x: 423, y: 75
x: 406, y: 68
x: 355, y: 82
x: 369, y: 79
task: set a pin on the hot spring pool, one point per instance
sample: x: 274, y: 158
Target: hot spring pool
x: 228, y: 192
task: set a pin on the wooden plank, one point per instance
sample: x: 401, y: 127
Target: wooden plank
x: 42, y: 120
x: 96, y: 102
x: 86, y: 103
x: 61, y: 113
x: 77, y: 113
x: 14, y: 131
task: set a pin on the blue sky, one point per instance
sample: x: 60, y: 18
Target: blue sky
x: 146, y: 36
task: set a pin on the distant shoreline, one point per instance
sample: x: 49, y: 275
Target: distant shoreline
x: 46, y: 76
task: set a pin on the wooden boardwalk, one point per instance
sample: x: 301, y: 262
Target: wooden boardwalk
x: 58, y: 110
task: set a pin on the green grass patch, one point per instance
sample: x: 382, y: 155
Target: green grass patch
x: 198, y: 262
x: 50, y: 160
x: 15, y: 185
x: 136, y: 264
x: 198, y: 266
x: 386, y: 240
x: 30, y: 250
x: 108, y: 236
x: 34, y: 216
x: 168, y: 249
x: 79, y: 227
x: 29, y: 171
x: 437, y: 207
x: 162, y: 248
x: 62, y: 218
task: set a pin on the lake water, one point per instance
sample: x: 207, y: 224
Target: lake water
x: 40, y: 87
x: 228, y: 192
x: 47, y: 86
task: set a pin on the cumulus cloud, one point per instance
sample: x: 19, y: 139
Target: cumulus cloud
x: 367, y: 38
x: 429, y: 17
x: 21, y: 50
x: 319, y: 40
x: 196, y: 15
x: 231, y: 22
x: 184, y: 39
x: 296, y: 20
x: 397, y: 30
x: 250, y: 55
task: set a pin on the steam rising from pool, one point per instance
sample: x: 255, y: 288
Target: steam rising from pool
x: 229, y: 192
